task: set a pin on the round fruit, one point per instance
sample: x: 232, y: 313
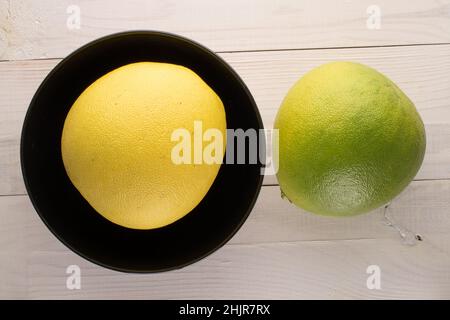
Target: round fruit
x: 116, y: 143
x: 349, y: 140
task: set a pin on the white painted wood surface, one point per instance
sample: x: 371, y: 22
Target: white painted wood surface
x: 281, y: 251
x: 37, y: 29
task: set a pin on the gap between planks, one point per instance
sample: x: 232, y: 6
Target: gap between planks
x: 422, y: 208
x: 273, y: 50
x: 264, y: 185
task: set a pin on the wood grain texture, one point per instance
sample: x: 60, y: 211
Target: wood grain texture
x: 38, y: 29
x: 280, y: 252
x: 422, y: 208
x: 422, y: 72
x: 299, y: 270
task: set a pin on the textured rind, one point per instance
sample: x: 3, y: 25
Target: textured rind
x: 349, y: 140
x: 116, y: 143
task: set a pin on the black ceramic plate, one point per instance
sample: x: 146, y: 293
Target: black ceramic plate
x: 73, y: 221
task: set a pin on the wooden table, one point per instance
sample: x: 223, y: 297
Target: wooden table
x: 281, y: 251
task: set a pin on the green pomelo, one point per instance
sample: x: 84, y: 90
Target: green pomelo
x: 349, y: 140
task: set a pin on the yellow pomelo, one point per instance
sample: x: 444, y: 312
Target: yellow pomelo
x: 116, y: 143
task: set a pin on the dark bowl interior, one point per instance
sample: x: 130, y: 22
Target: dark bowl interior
x: 73, y: 221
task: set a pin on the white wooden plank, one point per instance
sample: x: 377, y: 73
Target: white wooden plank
x: 23, y: 80
x: 13, y: 249
x: 13, y: 273
x: 422, y: 72
x: 280, y: 252
x: 422, y: 208
x: 301, y: 270
x: 38, y: 29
